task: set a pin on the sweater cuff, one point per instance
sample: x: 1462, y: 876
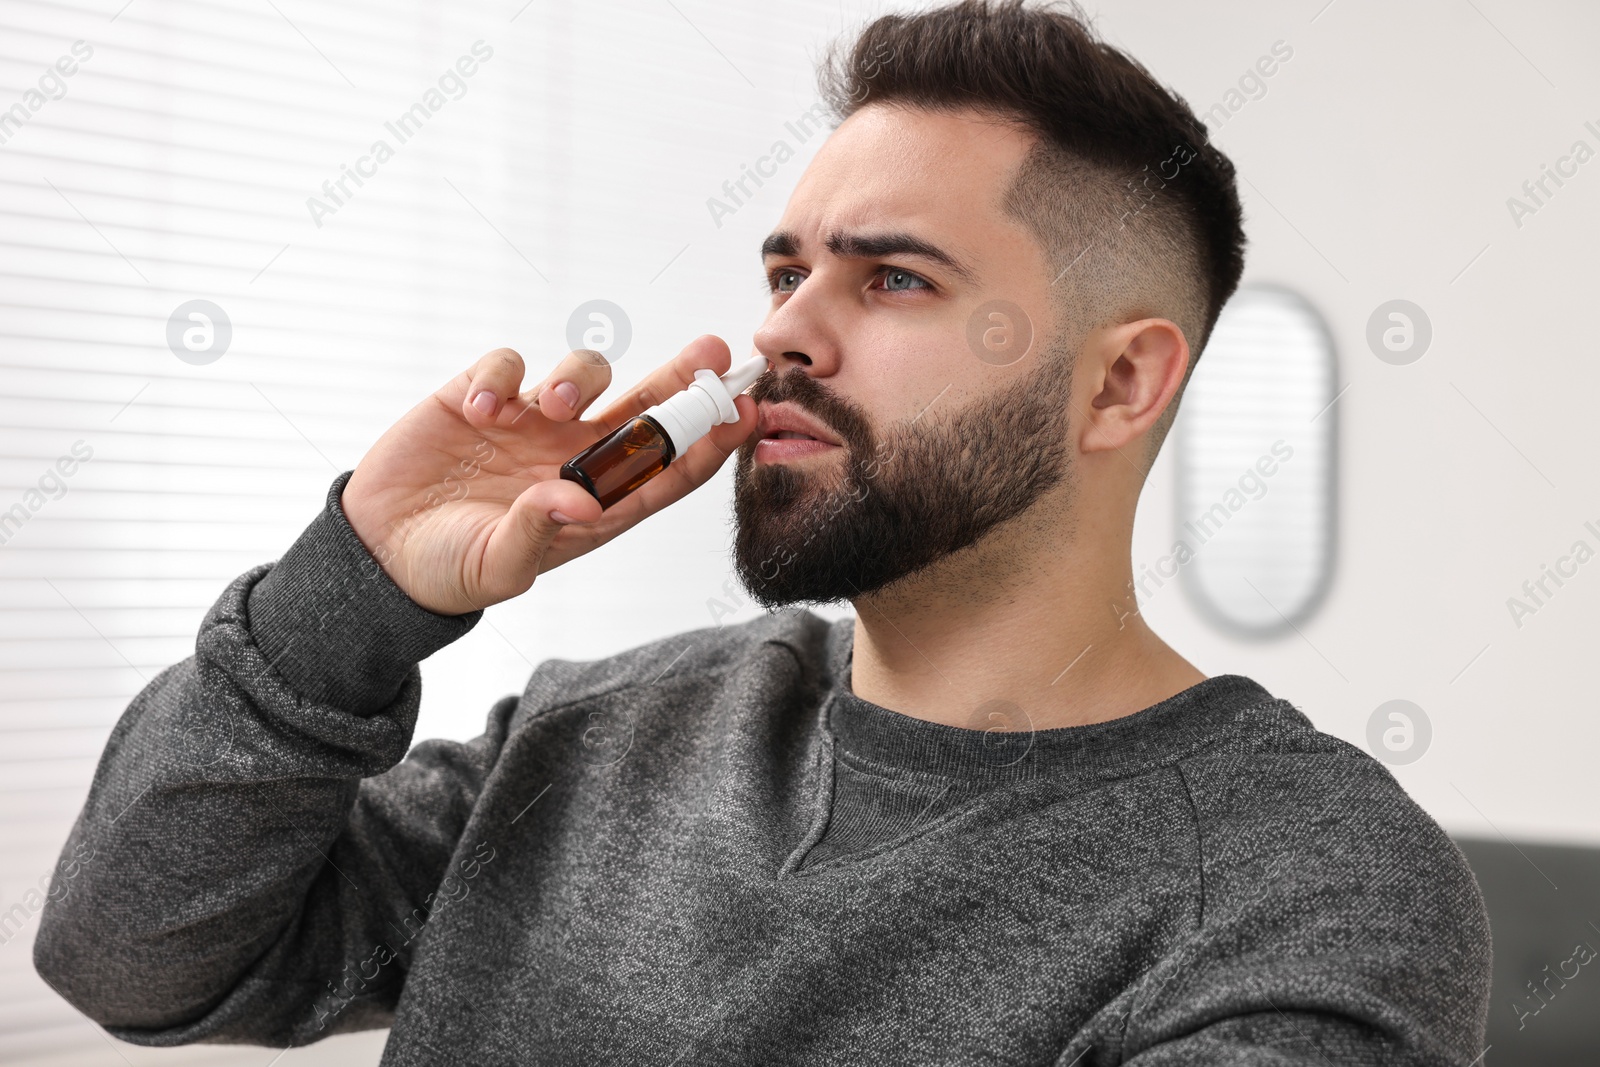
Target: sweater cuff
x: 335, y: 626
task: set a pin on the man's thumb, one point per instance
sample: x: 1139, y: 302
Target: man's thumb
x: 518, y: 542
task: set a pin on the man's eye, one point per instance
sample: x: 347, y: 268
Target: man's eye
x: 778, y: 280
x: 898, y: 281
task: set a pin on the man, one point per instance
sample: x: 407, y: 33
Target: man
x: 991, y: 819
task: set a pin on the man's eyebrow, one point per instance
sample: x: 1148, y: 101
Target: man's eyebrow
x: 869, y: 246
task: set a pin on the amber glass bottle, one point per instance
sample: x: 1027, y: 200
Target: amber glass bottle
x: 621, y: 462
x: 640, y: 449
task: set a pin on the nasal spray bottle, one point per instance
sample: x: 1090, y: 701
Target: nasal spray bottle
x: 632, y: 454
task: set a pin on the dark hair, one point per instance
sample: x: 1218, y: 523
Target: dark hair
x: 1122, y: 164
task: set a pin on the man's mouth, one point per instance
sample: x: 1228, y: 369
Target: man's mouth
x: 787, y: 432
x: 787, y: 445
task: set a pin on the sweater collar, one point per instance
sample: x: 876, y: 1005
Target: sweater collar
x: 1200, y: 715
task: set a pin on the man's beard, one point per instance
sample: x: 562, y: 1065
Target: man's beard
x: 892, y: 507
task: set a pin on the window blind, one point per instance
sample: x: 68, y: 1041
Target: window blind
x: 160, y: 153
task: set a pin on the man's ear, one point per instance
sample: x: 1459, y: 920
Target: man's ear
x: 1138, y: 368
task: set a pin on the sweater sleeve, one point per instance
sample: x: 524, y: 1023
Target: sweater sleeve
x: 1338, y: 924
x: 253, y: 860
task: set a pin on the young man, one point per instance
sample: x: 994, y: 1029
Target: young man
x: 991, y: 819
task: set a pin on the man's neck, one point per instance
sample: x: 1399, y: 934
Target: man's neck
x: 979, y: 645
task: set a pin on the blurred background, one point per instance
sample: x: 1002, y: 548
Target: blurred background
x: 239, y: 240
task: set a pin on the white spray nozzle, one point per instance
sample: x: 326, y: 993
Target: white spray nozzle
x: 708, y: 401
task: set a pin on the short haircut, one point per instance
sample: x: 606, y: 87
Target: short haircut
x: 1134, y: 207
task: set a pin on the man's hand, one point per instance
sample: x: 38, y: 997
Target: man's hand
x: 462, y: 502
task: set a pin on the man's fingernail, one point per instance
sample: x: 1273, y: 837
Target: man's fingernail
x: 562, y: 517
x: 485, y: 402
x: 568, y: 392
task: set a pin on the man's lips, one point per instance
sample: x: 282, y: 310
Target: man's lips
x: 775, y: 449
x: 786, y: 422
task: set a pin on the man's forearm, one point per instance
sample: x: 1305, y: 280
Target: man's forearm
x: 215, y: 822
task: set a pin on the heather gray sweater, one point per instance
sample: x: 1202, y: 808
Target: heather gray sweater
x: 708, y: 850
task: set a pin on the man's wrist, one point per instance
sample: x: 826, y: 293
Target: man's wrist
x: 335, y: 626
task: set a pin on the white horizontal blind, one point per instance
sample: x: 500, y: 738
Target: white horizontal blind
x: 552, y: 156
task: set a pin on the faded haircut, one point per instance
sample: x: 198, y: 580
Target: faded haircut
x: 1136, y: 211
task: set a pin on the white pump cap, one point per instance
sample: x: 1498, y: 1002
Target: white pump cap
x: 707, y: 402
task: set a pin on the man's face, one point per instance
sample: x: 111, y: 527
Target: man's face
x: 881, y: 267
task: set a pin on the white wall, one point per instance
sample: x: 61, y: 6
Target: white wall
x: 1378, y: 164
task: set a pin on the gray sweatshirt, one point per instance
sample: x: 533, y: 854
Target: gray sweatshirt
x: 708, y: 850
